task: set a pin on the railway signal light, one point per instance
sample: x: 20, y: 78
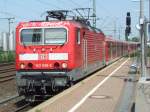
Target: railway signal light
x: 128, y: 26
x: 128, y: 30
x: 128, y: 19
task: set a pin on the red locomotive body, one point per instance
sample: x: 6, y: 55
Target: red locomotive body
x: 54, y: 54
x: 46, y: 45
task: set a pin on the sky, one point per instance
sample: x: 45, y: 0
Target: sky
x: 111, y: 14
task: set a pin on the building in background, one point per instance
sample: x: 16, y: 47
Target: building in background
x: 7, y: 42
x: 0, y: 42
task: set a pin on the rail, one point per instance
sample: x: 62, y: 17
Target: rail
x: 7, y: 78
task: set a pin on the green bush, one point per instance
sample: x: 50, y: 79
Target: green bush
x: 7, y: 56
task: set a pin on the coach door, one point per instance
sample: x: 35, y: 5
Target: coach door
x: 85, y: 54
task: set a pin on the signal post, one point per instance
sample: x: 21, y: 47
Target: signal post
x: 142, y: 101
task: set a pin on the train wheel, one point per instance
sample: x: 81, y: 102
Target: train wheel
x: 71, y: 83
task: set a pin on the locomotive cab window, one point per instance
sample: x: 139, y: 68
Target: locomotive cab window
x: 78, y: 36
x: 31, y: 36
x: 55, y: 35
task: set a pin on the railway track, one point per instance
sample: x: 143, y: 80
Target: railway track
x: 22, y: 108
x: 15, y: 103
x: 7, y: 67
x: 6, y: 64
x: 8, y: 99
x: 7, y: 70
x: 6, y: 78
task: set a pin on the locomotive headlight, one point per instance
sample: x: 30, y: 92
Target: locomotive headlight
x: 56, y: 65
x: 34, y: 50
x: 64, y: 65
x: 43, y: 49
x: 22, y: 65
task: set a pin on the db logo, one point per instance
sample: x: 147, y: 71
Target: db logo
x: 43, y: 56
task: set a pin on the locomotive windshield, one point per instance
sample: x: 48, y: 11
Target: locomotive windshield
x: 55, y: 35
x: 44, y: 36
x: 31, y: 36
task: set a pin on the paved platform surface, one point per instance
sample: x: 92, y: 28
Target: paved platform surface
x: 100, y: 92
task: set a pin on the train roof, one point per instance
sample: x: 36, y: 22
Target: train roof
x: 111, y: 39
x: 57, y: 23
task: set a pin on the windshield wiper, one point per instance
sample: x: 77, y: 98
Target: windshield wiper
x: 62, y: 45
x: 24, y: 45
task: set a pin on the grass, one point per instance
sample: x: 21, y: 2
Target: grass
x: 8, y: 56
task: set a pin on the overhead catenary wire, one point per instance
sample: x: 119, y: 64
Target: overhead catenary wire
x: 9, y: 22
x: 11, y: 14
x: 6, y: 13
x: 48, y: 4
x: 18, y: 17
x: 51, y: 4
x: 22, y: 4
x: 107, y: 11
x: 73, y: 2
x: 64, y: 3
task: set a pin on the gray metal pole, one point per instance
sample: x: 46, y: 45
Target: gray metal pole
x: 149, y: 10
x: 143, y: 66
x: 9, y: 26
x: 142, y: 104
x: 94, y: 13
x: 115, y: 27
x: 9, y: 22
x: 141, y: 8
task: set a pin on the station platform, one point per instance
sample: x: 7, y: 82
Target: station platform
x: 101, y: 92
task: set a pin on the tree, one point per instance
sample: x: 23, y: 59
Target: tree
x: 135, y: 39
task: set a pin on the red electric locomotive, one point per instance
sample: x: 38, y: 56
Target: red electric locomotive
x: 54, y: 54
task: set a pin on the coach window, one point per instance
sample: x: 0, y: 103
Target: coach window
x: 78, y: 36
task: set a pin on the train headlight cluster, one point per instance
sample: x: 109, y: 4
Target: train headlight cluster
x: 64, y: 65
x: 30, y: 65
x: 56, y: 65
x: 22, y: 65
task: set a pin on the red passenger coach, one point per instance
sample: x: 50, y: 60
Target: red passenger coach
x: 113, y: 50
x: 54, y: 54
x: 132, y: 47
